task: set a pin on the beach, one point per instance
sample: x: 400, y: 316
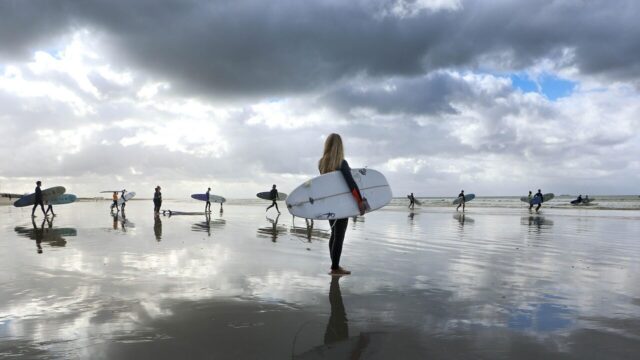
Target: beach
x: 497, y: 282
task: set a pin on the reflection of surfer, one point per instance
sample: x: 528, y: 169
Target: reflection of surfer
x: 38, y: 234
x: 412, y: 201
x: 461, y: 198
x: 157, y: 228
x: 332, y: 160
x: 337, y: 327
x: 38, y: 200
x: 275, y: 228
x: 274, y: 196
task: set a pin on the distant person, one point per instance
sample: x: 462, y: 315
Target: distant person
x: 461, y: 203
x: 157, y: 200
x: 412, y: 201
x: 579, y: 199
x: 274, y: 197
x: 115, y: 201
x: 207, y: 206
x: 332, y: 160
x: 124, y: 201
x: 38, y: 200
x: 539, y: 195
x: 586, y: 198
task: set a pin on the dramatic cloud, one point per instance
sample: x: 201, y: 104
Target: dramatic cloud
x: 241, y: 93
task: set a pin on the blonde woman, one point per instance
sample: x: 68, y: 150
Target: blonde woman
x: 333, y: 160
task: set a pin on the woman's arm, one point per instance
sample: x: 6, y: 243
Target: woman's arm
x: 353, y: 187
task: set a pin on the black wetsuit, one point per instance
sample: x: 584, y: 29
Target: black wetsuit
x: 38, y: 201
x: 157, y: 201
x: 207, y: 206
x: 339, y: 226
x: 124, y: 201
x: 274, y: 197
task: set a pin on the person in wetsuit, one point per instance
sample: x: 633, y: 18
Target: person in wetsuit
x: 579, y: 199
x: 274, y: 197
x: 412, y: 201
x: 207, y: 206
x: 38, y: 200
x: 461, y: 203
x: 332, y: 160
x: 124, y: 201
x: 49, y: 207
x: 115, y: 201
x: 539, y: 195
x: 157, y: 200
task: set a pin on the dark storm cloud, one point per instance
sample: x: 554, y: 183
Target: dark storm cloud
x: 260, y: 48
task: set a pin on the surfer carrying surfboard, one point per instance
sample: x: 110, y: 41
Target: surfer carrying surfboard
x: 207, y: 206
x: 274, y: 197
x: 124, y: 200
x: 38, y: 200
x: 461, y: 197
x: 412, y: 201
x: 333, y: 160
x: 538, y: 195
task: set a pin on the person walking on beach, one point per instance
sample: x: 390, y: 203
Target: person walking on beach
x: 461, y: 203
x: 530, y: 197
x: 332, y: 160
x: 157, y: 201
x: 115, y: 202
x: 124, y: 201
x: 274, y: 197
x: 412, y: 201
x: 49, y: 207
x: 38, y: 200
x: 207, y: 206
x: 539, y: 195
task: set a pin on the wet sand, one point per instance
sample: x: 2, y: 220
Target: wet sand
x: 493, y: 283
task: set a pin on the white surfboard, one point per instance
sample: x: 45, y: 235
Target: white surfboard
x: 328, y: 197
x: 127, y: 196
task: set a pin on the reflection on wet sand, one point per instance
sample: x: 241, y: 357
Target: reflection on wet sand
x: 463, y: 218
x: 272, y: 231
x: 120, y: 220
x: 208, y: 224
x: 309, y: 232
x: 536, y: 221
x: 157, y: 227
x: 45, y: 233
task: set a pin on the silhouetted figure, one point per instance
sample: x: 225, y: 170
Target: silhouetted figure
x: 412, y: 201
x: 38, y: 200
x: 274, y: 197
x: 157, y: 200
x: 207, y: 206
x: 461, y: 203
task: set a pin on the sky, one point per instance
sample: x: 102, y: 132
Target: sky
x: 493, y: 97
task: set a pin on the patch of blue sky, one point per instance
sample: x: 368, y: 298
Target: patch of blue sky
x: 551, y: 86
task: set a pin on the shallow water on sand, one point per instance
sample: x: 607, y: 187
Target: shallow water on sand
x: 493, y: 283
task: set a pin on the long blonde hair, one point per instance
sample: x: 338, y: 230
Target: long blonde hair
x: 333, y: 154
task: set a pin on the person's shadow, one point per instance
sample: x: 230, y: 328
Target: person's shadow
x: 338, y: 327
